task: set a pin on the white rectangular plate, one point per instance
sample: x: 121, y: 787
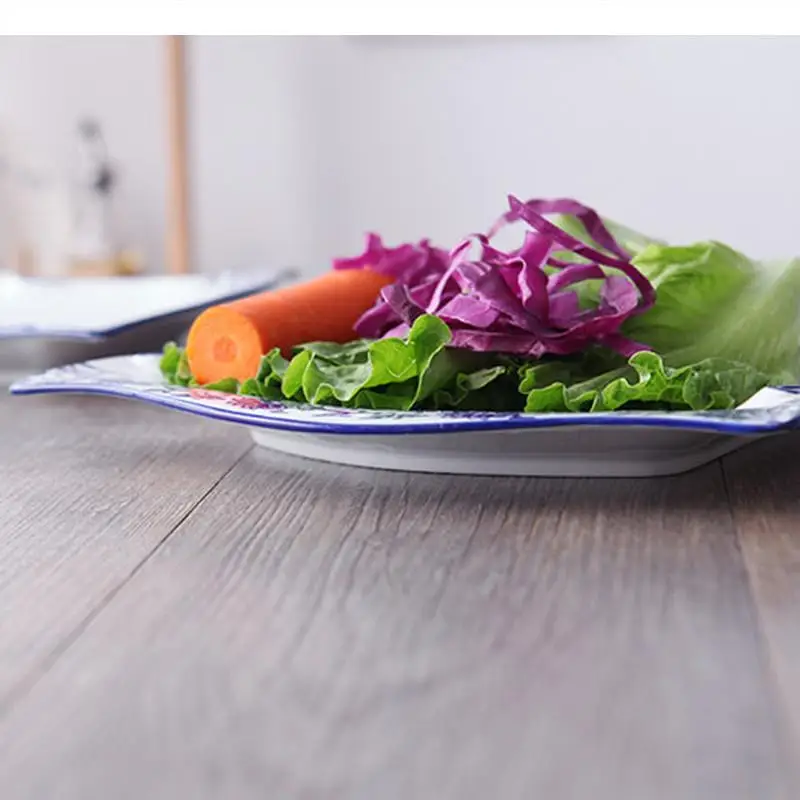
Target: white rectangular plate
x: 48, y: 322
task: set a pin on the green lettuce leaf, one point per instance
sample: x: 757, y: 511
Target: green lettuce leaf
x: 175, y: 365
x: 711, y: 302
x: 645, y: 383
x: 760, y: 328
x: 393, y: 373
x: 696, y: 286
x: 268, y: 382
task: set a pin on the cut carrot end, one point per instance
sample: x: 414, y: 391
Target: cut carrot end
x: 223, y: 343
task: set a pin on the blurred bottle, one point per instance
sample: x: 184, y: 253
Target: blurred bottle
x: 93, y: 187
x: 58, y: 224
x: 35, y: 208
x: 95, y: 249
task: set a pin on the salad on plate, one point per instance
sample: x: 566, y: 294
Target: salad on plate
x: 583, y: 315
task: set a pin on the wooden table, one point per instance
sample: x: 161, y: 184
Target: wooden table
x: 184, y: 617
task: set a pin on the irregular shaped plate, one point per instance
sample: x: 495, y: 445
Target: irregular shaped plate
x: 636, y: 443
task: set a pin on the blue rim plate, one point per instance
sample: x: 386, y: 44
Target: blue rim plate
x: 137, y: 377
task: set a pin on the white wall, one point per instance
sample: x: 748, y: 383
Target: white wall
x: 696, y: 137
x: 48, y: 83
x: 300, y: 145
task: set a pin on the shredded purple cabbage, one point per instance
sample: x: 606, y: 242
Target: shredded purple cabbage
x: 507, y: 302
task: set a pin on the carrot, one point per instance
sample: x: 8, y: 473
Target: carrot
x: 228, y: 340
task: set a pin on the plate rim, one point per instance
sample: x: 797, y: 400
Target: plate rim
x: 166, y: 396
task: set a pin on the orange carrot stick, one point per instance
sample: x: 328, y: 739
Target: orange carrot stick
x: 228, y: 340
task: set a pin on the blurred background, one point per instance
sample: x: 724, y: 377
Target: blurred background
x: 297, y: 146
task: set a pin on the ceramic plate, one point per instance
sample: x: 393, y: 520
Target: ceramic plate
x: 608, y: 444
x: 49, y: 322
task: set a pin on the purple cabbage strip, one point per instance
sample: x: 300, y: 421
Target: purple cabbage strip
x: 527, y: 213
x: 587, y: 216
x: 518, y: 302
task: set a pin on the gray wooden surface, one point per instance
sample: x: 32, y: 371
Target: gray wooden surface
x: 183, y: 616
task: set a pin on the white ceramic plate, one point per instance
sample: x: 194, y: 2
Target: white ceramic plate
x: 48, y: 322
x: 603, y: 444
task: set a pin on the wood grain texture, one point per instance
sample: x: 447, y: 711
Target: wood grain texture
x: 178, y: 251
x: 318, y: 632
x: 89, y: 489
x: 764, y: 486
